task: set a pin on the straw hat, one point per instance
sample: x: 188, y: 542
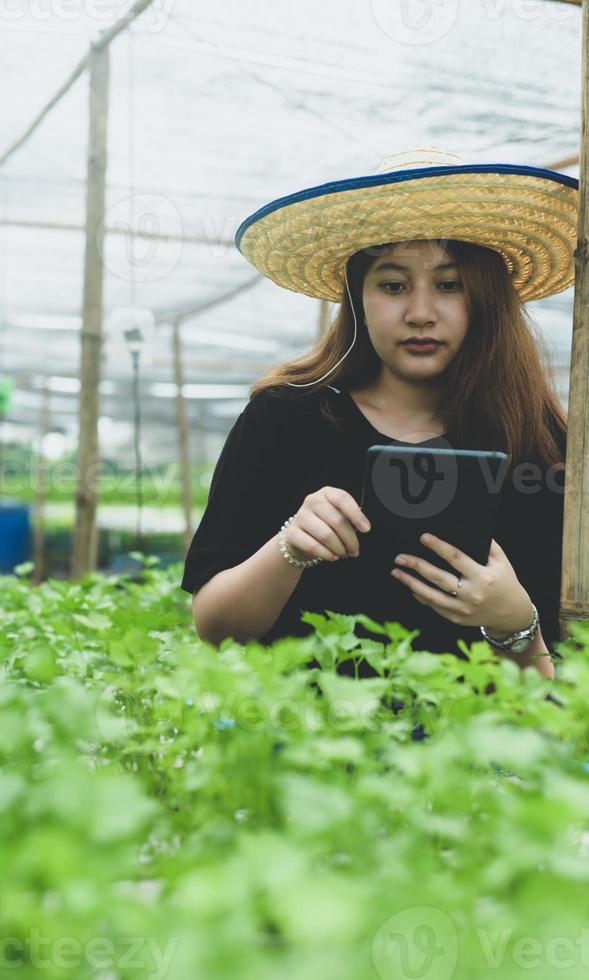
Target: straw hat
x: 528, y: 214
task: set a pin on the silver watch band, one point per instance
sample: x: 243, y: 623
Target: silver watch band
x: 518, y: 641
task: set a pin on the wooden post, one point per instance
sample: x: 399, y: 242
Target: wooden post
x: 85, y: 536
x: 574, y: 599
x: 41, y: 489
x: 182, y: 437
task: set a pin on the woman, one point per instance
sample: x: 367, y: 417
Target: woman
x: 459, y: 248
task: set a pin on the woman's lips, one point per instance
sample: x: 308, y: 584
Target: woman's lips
x: 422, y: 348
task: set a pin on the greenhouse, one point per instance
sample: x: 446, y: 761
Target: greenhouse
x: 218, y: 761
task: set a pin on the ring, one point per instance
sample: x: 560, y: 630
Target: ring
x: 459, y: 580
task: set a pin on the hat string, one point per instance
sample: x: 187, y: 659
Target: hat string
x: 305, y: 384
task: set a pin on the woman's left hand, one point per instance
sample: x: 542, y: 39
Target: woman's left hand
x: 489, y: 595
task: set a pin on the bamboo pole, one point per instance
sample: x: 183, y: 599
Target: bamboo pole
x: 85, y: 535
x: 182, y: 436
x: 563, y: 162
x: 574, y: 604
x: 41, y: 489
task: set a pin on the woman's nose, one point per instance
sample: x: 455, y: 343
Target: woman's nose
x: 420, y: 305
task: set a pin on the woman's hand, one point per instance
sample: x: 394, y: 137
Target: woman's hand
x: 325, y: 526
x: 490, y: 595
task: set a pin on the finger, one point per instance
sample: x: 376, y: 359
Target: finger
x: 339, y: 523
x: 432, y: 597
x: 324, y: 523
x: 496, y: 551
x: 462, y: 562
x: 307, y: 545
x: 346, y: 503
x: 444, y: 580
x: 344, y: 517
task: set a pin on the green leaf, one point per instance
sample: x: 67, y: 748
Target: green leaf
x: 93, y: 621
x: 119, y: 808
x: 143, y: 648
x: 40, y: 664
x: 370, y: 624
x: 352, y: 703
x: 119, y: 654
x: 311, y: 805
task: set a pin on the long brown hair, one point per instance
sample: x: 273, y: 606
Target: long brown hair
x: 499, y: 392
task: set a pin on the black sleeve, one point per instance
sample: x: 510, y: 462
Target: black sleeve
x: 532, y: 541
x: 545, y: 568
x: 239, y: 516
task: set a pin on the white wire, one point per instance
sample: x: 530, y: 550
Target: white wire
x: 305, y: 384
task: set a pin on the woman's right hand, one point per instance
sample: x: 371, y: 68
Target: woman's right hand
x: 325, y: 526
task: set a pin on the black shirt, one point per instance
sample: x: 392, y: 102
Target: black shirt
x: 281, y: 448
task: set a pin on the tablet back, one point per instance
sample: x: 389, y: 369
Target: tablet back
x: 452, y: 493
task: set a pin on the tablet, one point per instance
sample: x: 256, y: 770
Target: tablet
x: 451, y: 493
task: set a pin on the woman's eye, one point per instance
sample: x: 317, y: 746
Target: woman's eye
x: 452, y: 283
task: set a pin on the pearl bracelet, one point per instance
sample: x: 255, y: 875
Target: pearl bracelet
x: 285, y: 550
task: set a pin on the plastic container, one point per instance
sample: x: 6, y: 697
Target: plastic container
x: 15, y: 535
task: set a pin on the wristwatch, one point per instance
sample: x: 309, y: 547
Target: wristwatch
x: 517, y: 642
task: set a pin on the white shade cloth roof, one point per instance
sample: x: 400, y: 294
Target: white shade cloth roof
x: 214, y: 111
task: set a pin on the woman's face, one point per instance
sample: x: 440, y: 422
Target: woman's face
x: 414, y: 289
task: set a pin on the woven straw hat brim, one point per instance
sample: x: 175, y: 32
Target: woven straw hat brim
x: 528, y: 214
